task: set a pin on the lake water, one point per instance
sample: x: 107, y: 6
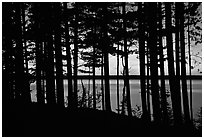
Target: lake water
x: 134, y: 89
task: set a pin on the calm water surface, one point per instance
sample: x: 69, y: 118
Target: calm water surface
x: 134, y: 89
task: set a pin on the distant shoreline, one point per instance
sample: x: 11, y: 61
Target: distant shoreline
x: 193, y: 77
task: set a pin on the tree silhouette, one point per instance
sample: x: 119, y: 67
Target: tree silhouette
x: 174, y: 96
x: 50, y: 77
x: 161, y: 60
x: 46, y: 44
x: 142, y: 58
x: 183, y: 66
x: 154, y: 61
x: 106, y: 59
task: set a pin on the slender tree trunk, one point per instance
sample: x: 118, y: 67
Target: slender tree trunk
x: 183, y: 66
x: 129, y: 108
x: 106, y: 59
x: 50, y: 75
x: 172, y: 78
x: 94, y: 84
x: 40, y: 96
x: 154, y: 62
x: 161, y: 55
x: 69, y: 64
x: 27, y: 84
x: 148, y: 64
x: 148, y: 84
x: 142, y: 60
x: 177, y: 50
x: 118, y: 66
x: 58, y: 56
x: 189, y: 55
x: 102, y: 86
x: 123, y: 98
x: 75, y: 95
x: 83, y: 94
x: 88, y: 94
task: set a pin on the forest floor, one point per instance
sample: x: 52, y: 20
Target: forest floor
x: 44, y: 121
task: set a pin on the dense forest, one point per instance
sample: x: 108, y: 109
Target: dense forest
x: 42, y: 44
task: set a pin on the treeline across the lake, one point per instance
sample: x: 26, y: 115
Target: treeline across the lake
x: 42, y: 43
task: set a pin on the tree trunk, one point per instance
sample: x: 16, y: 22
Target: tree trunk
x: 161, y: 55
x: 154, y: 61
x: 183, y: 66
x: 69, y: 64
x: 102, y: 86
x: 94, y: 84
x: 27, y: 95
x: 50, y: 75
x: 172, y: 78
x: 189, y: 55
x: 106, y: 59
x: 83, y: 95
x: 75, y: 95
x: 118, y: 66
x: 148, y: 65
x: 129, y: 108
x: 142, y: 60
x: 58, y: 56
x: 38, y: 35
x: 177, y: 51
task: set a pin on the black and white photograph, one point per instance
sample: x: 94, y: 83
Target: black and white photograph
x: 101, y: 69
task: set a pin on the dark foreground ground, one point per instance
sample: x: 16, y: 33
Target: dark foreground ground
x: 38, y: 121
